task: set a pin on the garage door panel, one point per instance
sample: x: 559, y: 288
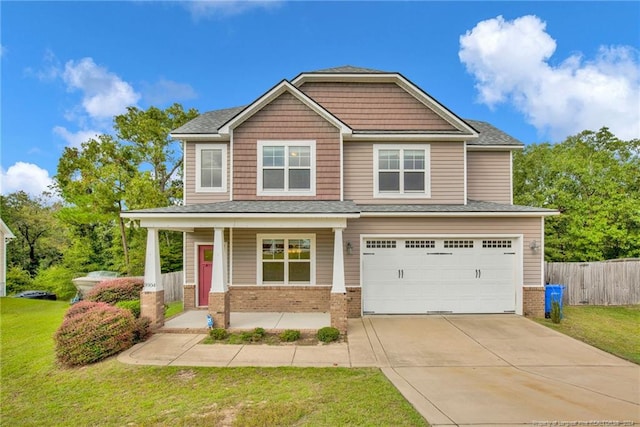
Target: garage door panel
x: 449, y: 275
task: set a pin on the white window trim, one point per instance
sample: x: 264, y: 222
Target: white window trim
x: 290, y: 143
x: 261, y: 237
x: 199, y: 149
x: 402, y: 195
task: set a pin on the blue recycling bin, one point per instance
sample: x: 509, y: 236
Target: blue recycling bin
x: 552, y: 293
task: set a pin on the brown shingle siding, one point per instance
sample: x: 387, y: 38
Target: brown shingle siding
x: 375, y: 106
x: 286, y: 118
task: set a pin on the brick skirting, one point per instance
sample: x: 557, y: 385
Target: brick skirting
x: 533, y: 301
x: 189, y: 292
x: 152, y: 306
x: 288, y: 299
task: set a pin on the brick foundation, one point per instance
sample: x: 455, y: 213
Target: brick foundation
x: 354, y: 302
x: 219, y: 309
x: 189, y: 292
x: 288, y: 299
x: 152, y: 306
x: 339, y: 312
x: 533, y: 301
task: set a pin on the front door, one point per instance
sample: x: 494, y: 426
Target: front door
x: 205, y: 266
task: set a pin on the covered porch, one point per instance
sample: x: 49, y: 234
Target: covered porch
x: 196, y: 320
x: 219, y: 220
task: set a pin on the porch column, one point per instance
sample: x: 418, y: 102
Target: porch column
x: 219, y: 303
x: 338, y: 300
x: 152, y: 295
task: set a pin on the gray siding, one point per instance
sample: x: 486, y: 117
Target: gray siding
x: 489, y: 176
x: 191, y: 196
x: 447, y: 174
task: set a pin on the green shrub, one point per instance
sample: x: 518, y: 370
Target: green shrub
x: 112, y: 291
x: 132, y: 305
x: 290, y: 335
x: 94, y: 332
x: 142, y: 329
x: 18, y: 280
x: 56, y: 279
x: 259, y: 332
x: 556, y: 312
x: 328, y: 334
x: 218, y: 334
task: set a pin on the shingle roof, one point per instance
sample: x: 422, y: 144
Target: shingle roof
x: 261, y: 207
x: 336, y: 207
x: 490, y: 135
x: 208, y: 122
x: 472, y: 206
x: 347, y: 69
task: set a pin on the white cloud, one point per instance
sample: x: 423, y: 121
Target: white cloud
x: 216, y: 8
x: 104, y: 93
x: 166, y: 91
x: 75, y: 139
x: 510, y: 62
x: 26, y: 177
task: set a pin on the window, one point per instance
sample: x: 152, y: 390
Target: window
x: 286, y: 260
x: 286, y: 168
x: 453, y: 244
x: 381, y: 244
x: 211, y: 168
x: 401, y: 171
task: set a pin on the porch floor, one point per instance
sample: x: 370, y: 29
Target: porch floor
x: 197, y: 319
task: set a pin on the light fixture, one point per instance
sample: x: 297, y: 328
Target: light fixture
x: 349, y: 248
x: 534, y: 245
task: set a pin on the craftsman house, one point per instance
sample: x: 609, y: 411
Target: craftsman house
x: 349, y: 191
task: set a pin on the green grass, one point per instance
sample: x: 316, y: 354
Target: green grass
x: 173, y: 308
x: 614, y: 329
x: 35, y: 391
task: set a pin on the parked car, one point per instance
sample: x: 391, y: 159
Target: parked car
x: 37, y: 295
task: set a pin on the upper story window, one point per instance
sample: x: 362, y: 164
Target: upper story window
x: 286, y: 168
x: 211, y: 168
x: 401, y: 171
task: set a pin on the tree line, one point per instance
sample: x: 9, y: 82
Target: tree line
x: 592, y: 178
x: 76, y: 227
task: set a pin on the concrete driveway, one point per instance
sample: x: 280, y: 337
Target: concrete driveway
x: 498, y: 370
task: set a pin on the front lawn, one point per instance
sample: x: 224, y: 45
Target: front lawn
x: 35, y: 391
x: 614, y: 329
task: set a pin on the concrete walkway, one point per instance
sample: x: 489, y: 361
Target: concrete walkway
x: 455, y: 370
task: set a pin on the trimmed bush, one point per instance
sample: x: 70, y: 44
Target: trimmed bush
x: 79, y: 308
x: 328, y: 334
x: 218, y: 334
x: 112, y: 291
x: 93, y: 332
x: 133, y: 306
x: 290, y: 335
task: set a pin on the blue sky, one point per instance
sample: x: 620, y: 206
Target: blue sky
x: 538, y: 70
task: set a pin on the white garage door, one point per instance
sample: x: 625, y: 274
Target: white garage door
x: 422, y: 275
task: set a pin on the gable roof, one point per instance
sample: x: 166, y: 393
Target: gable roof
x: 213, y: 124
x: 282, y: 87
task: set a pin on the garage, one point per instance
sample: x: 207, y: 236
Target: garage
x: 419, y: 275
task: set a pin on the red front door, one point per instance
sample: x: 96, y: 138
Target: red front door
x: 205, y: 266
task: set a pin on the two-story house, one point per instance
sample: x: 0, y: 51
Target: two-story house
x: 349, y: 191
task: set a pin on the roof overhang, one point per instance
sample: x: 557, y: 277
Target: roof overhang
x: 281, y: 88
x: 471, y: 147
x: 470, y: 214
x: 6, y: 231
x: 199, y: 136
x: 189, y: 222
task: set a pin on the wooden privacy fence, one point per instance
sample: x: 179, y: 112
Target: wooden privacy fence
x: 614, y: 282
x: 172, y: 283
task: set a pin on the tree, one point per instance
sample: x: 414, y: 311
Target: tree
x: 139, y: 167
x: 592, y: 179
x: 40, y: 240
